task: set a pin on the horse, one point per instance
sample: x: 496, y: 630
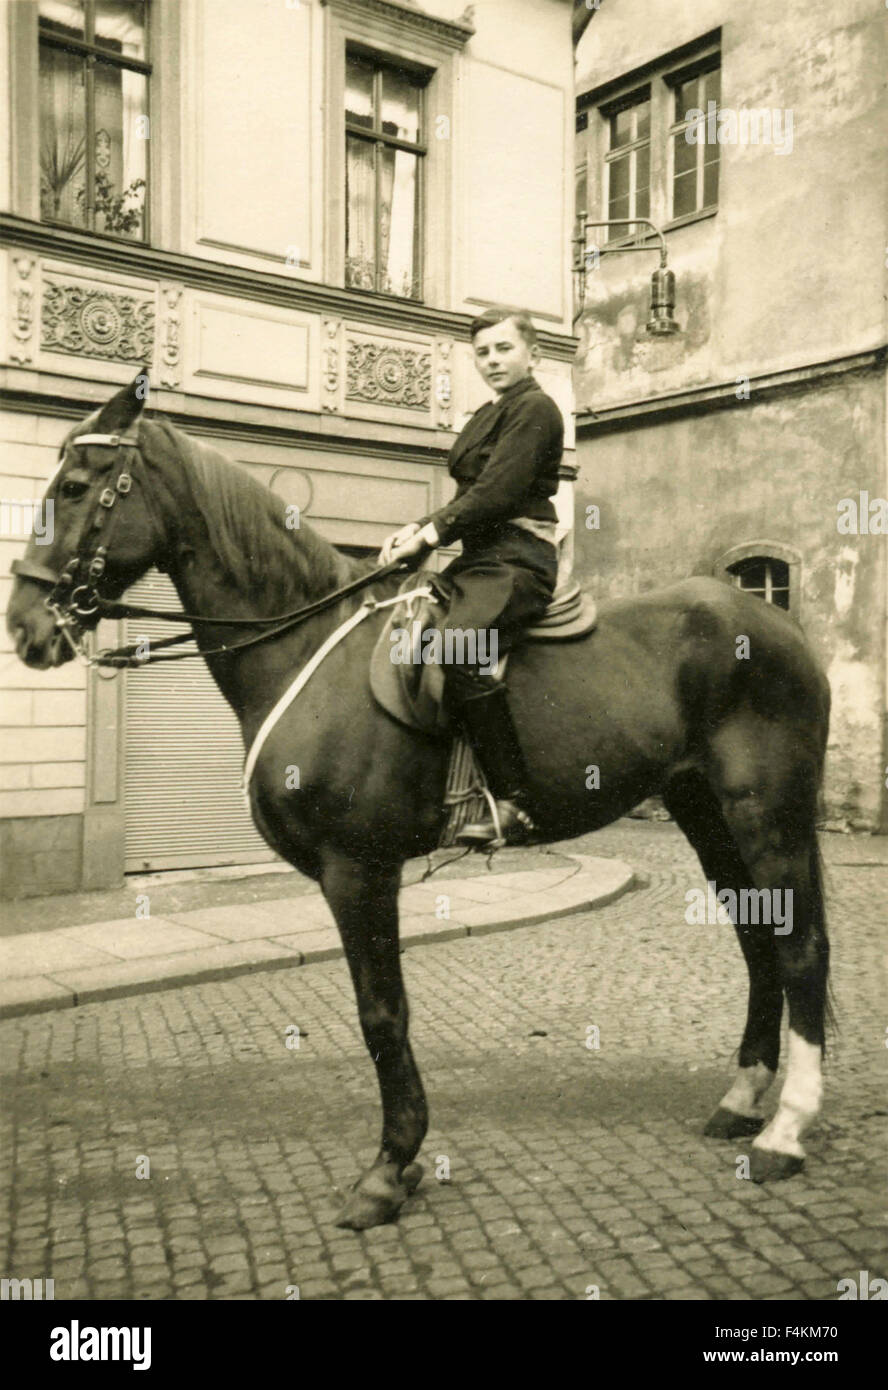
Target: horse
x: 664, y: 697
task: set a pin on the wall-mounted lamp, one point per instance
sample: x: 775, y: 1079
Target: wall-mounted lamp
x: 661, y: 320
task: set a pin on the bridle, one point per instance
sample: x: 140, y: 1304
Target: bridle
x: 77, y: 605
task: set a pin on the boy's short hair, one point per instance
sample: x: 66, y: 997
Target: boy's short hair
x: 499, y: 314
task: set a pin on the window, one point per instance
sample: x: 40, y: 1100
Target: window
x: 648, y: 138
x: 384, y: 155
x: 628, y: 163
x: 694, y: 160
x: 93, y: 121
x: 763, y: 576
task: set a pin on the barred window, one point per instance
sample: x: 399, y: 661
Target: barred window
x: 94, y: 78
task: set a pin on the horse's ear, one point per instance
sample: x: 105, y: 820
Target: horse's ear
x: 122, y: 410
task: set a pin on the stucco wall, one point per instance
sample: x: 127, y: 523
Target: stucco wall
x: 791, y: 268
x: 675, y: 496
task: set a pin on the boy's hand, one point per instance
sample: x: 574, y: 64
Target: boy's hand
x: 410, y: 540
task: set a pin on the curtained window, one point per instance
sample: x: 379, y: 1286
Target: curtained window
x: 384, y: 151
x: 94, y: 115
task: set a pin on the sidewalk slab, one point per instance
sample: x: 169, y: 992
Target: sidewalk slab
x: 106, y: 960
x: 129, y: 939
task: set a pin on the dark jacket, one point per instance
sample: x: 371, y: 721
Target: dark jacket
x: 505, y: 463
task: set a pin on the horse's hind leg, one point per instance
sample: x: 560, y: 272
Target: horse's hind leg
x: 364, y: 901
x: 696, y: 810
x: 768, y: 785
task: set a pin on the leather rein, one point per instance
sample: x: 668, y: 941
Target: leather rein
x: 74, y: 598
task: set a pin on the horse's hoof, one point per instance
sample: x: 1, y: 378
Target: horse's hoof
x: 362, y: 1210
x: 767, y: 1165
x: 727, y: 1124
x: 376, y: 1199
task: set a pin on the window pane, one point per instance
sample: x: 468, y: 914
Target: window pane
x: 712, y: 87
x: 643, y: 124
x: 358, y: 91
x: 360, y: 198
x: 684, y: 194
x: 642, y: 170
x: 685, y: 98
x: 642, y: 204
x: 685, y: 154
x: 618, y: 185
x: 120, y: 27
x: 621, y: 128
x: 62, y: 17
x: 710, y: 183
x: 62, y: 137
x: 400, y: 105
x: 581, y: 190
x: 397, y: 222
x: 121, y: 153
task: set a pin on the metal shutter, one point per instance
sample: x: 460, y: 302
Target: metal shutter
x: 184, y: 755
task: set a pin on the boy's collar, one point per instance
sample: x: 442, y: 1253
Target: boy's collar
x: 523, y: 385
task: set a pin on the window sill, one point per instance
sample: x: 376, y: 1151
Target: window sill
x: 691, y: 217
x: 381, y: 296
x: 89, y: 232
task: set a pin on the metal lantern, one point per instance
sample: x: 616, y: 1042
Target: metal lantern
x: 662, y: 320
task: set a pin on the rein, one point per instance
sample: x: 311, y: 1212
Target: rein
x: 70, y: 610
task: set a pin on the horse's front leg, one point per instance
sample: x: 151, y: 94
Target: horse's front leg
x: 364, y: 901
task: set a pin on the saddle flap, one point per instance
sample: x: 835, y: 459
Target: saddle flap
x: 407, y: 688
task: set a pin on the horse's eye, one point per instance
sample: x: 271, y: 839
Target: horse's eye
x: 74, y: 490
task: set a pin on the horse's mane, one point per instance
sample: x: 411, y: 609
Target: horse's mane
x: 246, y: 524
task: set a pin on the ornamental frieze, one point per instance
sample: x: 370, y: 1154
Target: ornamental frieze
x: 386, y: 374
x: 97, y: 323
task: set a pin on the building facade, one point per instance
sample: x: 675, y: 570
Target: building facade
x: 290, y: 210
x: 752, y: 444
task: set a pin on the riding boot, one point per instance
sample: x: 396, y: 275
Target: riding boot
x: 488, y: 726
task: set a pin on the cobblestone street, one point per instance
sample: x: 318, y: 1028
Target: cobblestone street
x: 569, y: 1166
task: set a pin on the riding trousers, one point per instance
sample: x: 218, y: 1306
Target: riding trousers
x: 501, y: 583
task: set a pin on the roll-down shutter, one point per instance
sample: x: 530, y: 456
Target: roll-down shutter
x: 184, y: 756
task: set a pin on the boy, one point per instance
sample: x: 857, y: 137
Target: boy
x: 505, y: 463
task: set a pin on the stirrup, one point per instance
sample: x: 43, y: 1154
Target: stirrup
x: 508, y: 825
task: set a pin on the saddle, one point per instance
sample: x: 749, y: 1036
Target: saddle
x: 410, y: 688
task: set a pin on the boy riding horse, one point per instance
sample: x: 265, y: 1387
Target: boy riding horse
x: 505, y: 463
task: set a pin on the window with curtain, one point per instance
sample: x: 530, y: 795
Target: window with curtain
x: 384, y: 154
x: 628, y: 163
x: 93, y: 97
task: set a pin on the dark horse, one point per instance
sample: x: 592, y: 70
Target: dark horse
x: 661, y: 698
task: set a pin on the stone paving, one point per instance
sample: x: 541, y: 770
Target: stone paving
x: 553, y: 1169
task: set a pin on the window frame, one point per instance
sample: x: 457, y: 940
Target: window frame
x: 402, y: 36
x: 641, y: 96
x: 376, y: 136
x: 594, y: 109
x: 767, y: 552
x: 92, y: 52
x: 693, y: 72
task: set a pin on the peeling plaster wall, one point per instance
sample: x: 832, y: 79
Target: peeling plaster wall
x: 788, y: 270
x: 789, y: 273
x: 677, y: 495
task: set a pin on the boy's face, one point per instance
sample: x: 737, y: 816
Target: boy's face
x: 502, y: 356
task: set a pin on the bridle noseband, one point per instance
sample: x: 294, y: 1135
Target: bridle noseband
x: 78, y: 606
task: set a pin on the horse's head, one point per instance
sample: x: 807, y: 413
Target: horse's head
x: 99, y: 533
